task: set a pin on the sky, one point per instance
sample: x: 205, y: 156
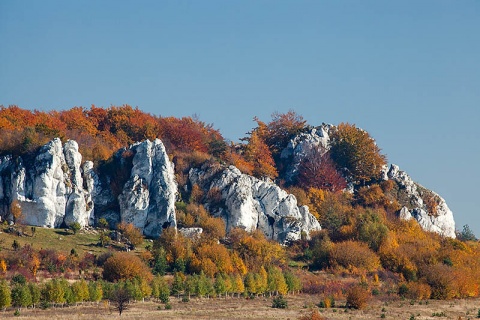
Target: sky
x: 408, y: 72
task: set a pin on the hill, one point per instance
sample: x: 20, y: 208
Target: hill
x: 261, y: 217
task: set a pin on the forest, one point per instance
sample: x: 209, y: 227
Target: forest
x: 364, y: 248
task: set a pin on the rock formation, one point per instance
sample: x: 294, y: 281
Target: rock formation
x: 425, y: 206
x: 252, y: 204
x: 148, y: 197
x: 50, y: 189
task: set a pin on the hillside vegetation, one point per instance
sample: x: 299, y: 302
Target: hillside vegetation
x: 363, y: 249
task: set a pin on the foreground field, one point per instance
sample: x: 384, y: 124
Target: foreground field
x: 259, y: 308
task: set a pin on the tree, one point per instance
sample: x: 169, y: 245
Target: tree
x: 278, y: 132
x: 258, y: 153
x: 317, y: 170
x: 16, y: 212
x: 276, y: 281
x: 466, y: 234
x: 122, y: 266
x: 120, y: 298
x: 293, y: 282
x: 5, y: 295
x: 132, y: 234
x: 356, y: 153
x: 95, y: 291
x: 75, y: 227
x: 102, y: 223
x: 21, y: 296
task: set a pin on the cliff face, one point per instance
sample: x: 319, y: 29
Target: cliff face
x: 252, y: 204
x: 55, y: 189
x: 148, y: 197
x: 50, y: 189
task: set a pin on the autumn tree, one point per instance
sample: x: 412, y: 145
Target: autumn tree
x: 278, y: 132
x: 356, y: 153
x: 122, y: 265
x: 132, y: 234
x: 16, y: 212
x: 317, y: 170
x: 258, y: 153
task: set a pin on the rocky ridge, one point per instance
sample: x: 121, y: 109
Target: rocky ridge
x: 436, y: 217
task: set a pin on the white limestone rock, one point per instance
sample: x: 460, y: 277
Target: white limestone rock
x: 49, y: 188
x: 302, y: 145
x: 191, y: 233
x: 252, y: 204
x: 440, y: 218
x: 148, y: 197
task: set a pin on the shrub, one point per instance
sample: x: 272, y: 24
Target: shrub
x: 357, y: 297
x: 353, y: 254
x: 314, y: 315
x: 280, y: 302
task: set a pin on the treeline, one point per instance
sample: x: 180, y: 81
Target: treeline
x: 20, y: 293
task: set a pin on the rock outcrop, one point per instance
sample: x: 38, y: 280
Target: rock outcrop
x: 425, y: 206
x: 251, y: 204
x: 53, y: 188
x: 49, y: 190
x: 148, y: 197
x: 301, y: 147
x: 433, y: 215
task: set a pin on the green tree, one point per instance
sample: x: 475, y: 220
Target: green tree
x: 160, y: 289
x: 466, y: 234
x: 75, y: 227
x: 95, y: 291
x: 293, y: 282
x: 220, y: 285
x: 5, y: 295
x: 53, y: 291
x: 356, y: 153
x: 35, y: 293
x: 160, y: 265
x: 80, y: 291
x: 21, y: 296
x: 178, y: 283
x: 276, y: 282
x: 103, y: 223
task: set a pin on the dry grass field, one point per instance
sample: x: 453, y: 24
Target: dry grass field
x: 259, y: 308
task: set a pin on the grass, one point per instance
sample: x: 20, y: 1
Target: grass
x: 239, y: 308
x: 57, y: 239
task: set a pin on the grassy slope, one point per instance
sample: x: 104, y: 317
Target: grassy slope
x: 58, y: 239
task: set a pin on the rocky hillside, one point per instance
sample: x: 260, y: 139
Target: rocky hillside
x: 247, y: 185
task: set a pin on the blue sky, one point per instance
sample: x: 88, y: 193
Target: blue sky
x: 406, y: 71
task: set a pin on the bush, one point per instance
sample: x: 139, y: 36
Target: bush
x: 280, y: 302
x: 168, y: 306
x: 353, y: 254
x: 314, y: 315
x: 357, y: 297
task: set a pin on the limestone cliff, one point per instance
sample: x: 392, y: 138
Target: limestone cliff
x: 252, y: 204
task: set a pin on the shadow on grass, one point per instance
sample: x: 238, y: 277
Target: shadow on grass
x: 63, y: 232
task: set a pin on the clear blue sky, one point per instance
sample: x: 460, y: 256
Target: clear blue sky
x: 406, y: 71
